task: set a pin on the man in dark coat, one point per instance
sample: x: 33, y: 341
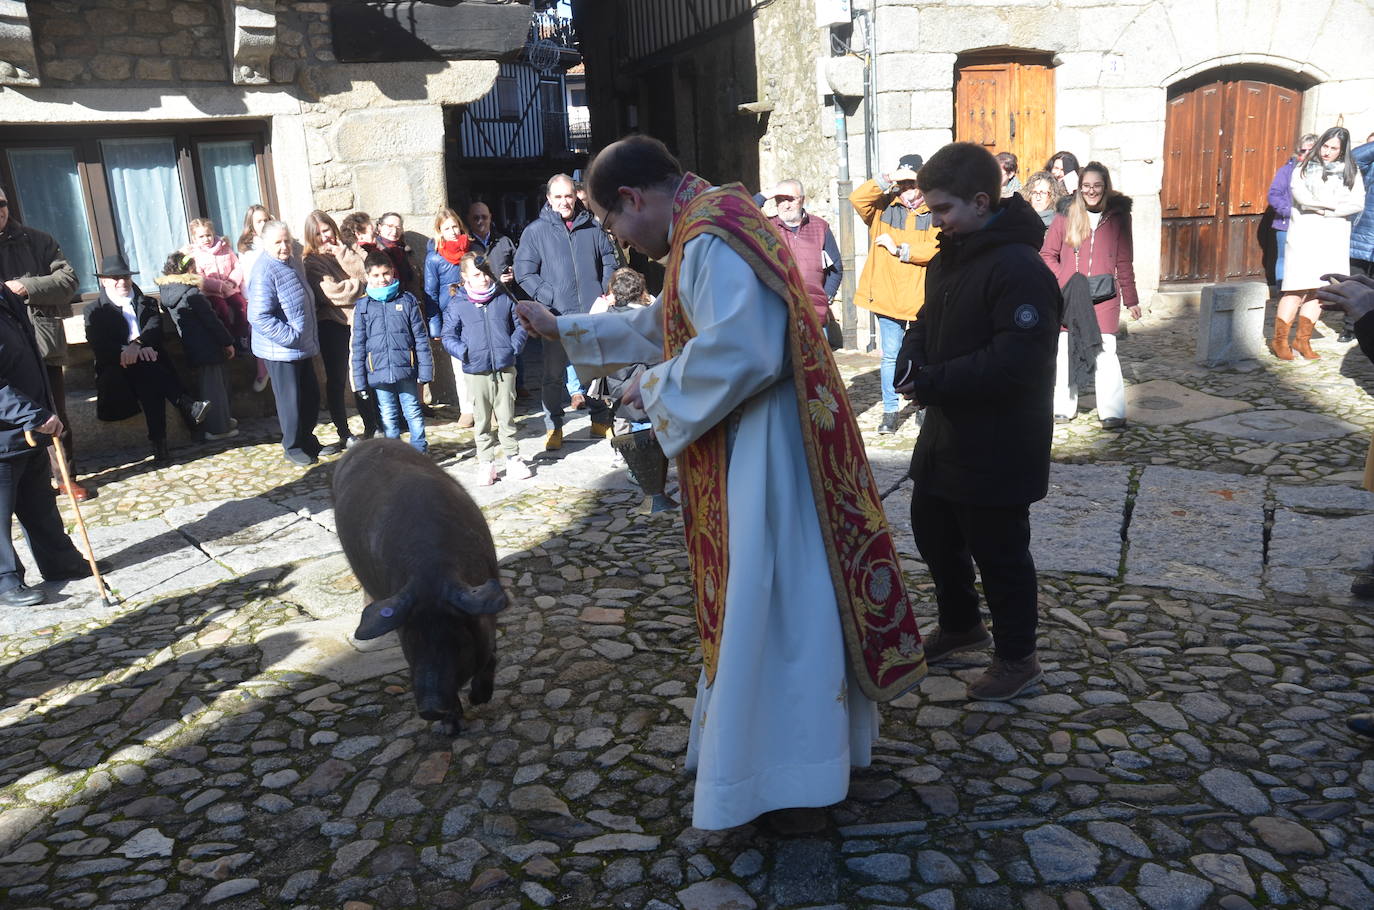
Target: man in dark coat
x: 32, y: 267
x: 980, y: 358
x: 565, y: 261
x: 124, y: 330
x: 26, y: 404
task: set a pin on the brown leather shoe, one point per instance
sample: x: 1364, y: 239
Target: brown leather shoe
x: 940, y: 644
x: 1281, y: 349
x: 1302, y: 340
x: 76, y: 491
x: 1006, y: 679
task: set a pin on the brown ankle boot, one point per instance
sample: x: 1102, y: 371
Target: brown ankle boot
x: 1302, y: 341
x: 1281, y: 349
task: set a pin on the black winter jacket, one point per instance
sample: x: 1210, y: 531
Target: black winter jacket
x: 203, y: 335
x: 25, y: 399
x: 107, y: 333
x: 981, y: 354
x: 566, y: 270
x: 390, y: 342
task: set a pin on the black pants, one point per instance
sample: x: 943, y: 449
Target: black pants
x: 334, y: 338
x: 370, y: 413
x: 26, y: 494
x: 297, y: 393
x: 951, y: 538
x: 155, y: 381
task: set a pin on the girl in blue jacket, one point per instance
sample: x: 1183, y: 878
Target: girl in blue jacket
x: 482, y: 330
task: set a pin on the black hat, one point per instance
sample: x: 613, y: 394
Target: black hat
x: 114, y: 266
x: 907, y: 167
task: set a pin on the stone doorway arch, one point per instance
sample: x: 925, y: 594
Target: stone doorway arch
x: 1226, y: 131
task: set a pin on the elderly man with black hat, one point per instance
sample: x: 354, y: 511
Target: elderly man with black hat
x: 26, y: 407
x: 124, y: 330
x: 33, y: 268
x: 893, y: 283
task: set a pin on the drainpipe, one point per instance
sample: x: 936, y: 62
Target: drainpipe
x: 849, y: 320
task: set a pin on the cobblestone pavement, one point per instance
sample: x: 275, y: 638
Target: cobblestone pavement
x: 217, y: 739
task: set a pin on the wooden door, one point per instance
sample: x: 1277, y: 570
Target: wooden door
x: 1007, y: 106
x: 1223, y: 141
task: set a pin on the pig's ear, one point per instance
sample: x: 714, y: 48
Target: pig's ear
x: 383, y: 616
x: 489, y: 598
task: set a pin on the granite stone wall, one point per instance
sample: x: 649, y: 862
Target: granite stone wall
x: 99, y: 42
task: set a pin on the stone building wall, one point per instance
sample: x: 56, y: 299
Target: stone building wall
x: 794, y: 145
x: 1114, y: 63
x: 81, y: 42
x: 343, y: 136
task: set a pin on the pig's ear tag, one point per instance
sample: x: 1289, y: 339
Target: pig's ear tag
x: 381, y: 617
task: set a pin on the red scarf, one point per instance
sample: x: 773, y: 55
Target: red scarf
x: 452, y: 250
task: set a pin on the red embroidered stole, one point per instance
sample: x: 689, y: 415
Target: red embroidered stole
x: 881, y: 638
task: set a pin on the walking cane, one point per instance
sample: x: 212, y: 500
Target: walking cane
x: 106, y: 597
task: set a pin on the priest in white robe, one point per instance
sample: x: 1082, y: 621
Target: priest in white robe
x: 783, y: 719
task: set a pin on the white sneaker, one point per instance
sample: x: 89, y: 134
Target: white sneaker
x: 486, y: 474
x: 516, y: 469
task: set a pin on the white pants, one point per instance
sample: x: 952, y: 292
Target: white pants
x: 1111, y: 387
x: 460, y: 383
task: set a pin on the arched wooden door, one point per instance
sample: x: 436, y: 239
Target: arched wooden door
x: 1006, y: 104
x: 1223, y: 141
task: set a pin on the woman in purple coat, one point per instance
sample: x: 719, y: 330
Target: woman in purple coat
x: 1093, y: 238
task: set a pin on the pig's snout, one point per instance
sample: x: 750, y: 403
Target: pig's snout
x: 431, y: 698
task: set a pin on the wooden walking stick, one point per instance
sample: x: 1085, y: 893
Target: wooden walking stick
x: 106, y: 596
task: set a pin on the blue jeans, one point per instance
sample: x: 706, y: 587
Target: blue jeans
x: 394, y: 398
x: 890, y: 334
x: 1281, y: 241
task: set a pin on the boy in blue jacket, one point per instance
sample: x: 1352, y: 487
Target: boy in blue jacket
x: 482, y: 331
x: 391, y: 351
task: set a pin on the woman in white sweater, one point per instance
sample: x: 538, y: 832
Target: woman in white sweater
x: 1328, y: 194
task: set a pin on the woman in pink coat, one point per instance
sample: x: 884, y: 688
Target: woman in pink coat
x: 1093, y: 238
x: 218, y: 267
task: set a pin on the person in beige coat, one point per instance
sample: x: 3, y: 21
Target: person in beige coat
x: 335, y: 275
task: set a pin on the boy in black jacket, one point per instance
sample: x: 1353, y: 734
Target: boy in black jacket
x: 980, y: 358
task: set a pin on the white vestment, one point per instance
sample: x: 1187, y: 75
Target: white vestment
x: 784, y: 720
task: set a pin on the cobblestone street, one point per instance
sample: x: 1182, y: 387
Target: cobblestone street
x: 218, y: 738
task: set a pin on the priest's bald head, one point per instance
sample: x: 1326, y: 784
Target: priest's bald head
x: 630, y: 187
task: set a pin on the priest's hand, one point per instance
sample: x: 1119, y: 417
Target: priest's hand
x: 630, y: 394
x: 537, y: 319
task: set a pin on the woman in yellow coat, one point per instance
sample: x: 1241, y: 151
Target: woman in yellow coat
x: 893, y: 283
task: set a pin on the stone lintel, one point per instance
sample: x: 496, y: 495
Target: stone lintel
x: 18, y: 60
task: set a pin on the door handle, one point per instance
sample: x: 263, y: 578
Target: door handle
x: 1013, y: 124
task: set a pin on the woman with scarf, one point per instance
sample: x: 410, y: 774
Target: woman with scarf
x: 1328, y: 195
x: 334, y: 273
x: 441, y: 272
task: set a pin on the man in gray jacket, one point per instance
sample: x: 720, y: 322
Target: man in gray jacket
x: 33, y: 268
x: 565, y: 261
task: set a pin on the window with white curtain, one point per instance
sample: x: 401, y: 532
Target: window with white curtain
x: 230, y: 171
x: 47, y: 186
x: 150, y: 211
x: 132, y: 189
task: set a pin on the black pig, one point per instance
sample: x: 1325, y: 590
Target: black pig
x: 423, y: 553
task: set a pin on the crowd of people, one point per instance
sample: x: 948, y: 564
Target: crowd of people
x: 997, y: 300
